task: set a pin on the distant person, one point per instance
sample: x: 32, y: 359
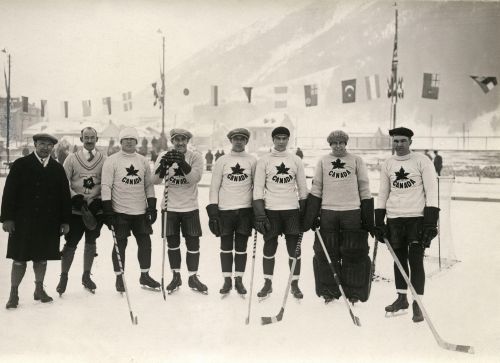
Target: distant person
x: 427, y: 154
x: 112, y: 148
x: 299, y: 153
x: 217, y: 155
x: 26, y: 151
x: 209, y: 158
x: 438, y: 162
x: 222, y: 152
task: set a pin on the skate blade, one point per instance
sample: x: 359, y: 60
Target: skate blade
x: 243, y: 296
x: 200, y: 292
x: 262, y: 298
x: 401, y: 312
x: 223, y: 296
x: 170, y: 292
x: 145, y: 287
x: 92, y: 291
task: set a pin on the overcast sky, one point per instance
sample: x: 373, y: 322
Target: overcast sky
x: 70, y: 49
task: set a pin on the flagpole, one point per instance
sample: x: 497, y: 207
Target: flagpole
x: 7, y: 90
x: 394, y: 73
x: 163, y: 92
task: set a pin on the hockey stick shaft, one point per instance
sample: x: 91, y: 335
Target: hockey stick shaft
x: 164, y: 234
x: 375, y: 249
x: 122, y: 272
x: 268, y: 320
x: 354, y: 318
x: 247, y: 321
x: 443, y: 344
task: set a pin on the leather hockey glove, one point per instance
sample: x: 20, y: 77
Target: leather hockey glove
x: 77, y: 202
x: 381, y: 229
x: 311, y: 216
x: 151, y: 212
x: 213, y: 219
x: 262, y: 224
x: 429, y: 230
x: 180, y: 159
x: 367, y: 216
x: 95, y: 206
x: 163, y: 166
x: 109, y: 214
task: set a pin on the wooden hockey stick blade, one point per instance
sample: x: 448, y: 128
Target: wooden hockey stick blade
x: 443, y: 344
x: 163, y: 289
x: 274, y: 319
x: 88, y: 218
x: 134, y: 318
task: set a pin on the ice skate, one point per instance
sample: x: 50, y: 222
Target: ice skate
x: 417, y: 313
x: 195, y: 284
x: 266, y: 290
x: 295, y: 290
x: 226, y: 288
x: 63, y: 282
x: 175, y: 283
x: 120, y: 287
x: 40, y: 294
x: 87, y: 282
x: 13, y: 299
x: 239, y: 287
x: 148, y: 282
x: 398, y: 307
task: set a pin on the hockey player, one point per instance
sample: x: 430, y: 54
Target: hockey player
x: 36, y: 210
x: 230, y: 209
x: 408, y: 196
x: 340, y: 196
x: 180, y: 206
x: 279, y: 188
x: 83, y: 169
x: 129, y: 204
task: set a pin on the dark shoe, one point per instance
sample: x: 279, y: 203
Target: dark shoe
x: 417, y: 313
x: 120, y: 287
x: 40, y: 293
x: 197, y: 285
x: 63, y: 282
x: 400, y: 304
x: 238, y: 285
x: 228, y: 285
x: 266, y: 289
x: 148, y: 281
x: 87, y: 282
x: 295, y: 290
x: 175, y: 283
x: 13, y: 299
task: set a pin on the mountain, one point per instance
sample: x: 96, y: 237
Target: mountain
x: 327, y: 42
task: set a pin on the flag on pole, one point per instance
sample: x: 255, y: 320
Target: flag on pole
x: 311, y: 95
x: 106, y: 101
x: 372, y: 87
x: 214, y: 95
x: 87, y: 108
x: 248, y: 93
x: 349, y: 91
x: 486, y: 83
x: 127, y: 101
x: 43, y: 105
x: 25, y: 104
x: 281, y: 95
x: 430, y: 88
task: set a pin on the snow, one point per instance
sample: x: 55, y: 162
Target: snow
x: 190, y: 327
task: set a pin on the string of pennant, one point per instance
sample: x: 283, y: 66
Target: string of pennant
x: 430, y: 90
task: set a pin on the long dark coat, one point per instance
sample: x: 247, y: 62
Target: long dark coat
x: 38, y: 200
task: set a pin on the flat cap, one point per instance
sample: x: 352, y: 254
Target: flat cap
x: 280, y: 130
x: 401, y: 131
x: 337, y: 135
x: 44, y: 136
x: 182, y: 132
x: 238, y: 132
x: 128, y: 133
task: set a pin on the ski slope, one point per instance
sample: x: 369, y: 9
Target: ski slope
x: 189, y: 327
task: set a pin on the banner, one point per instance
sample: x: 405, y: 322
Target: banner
x: 430, y: 88
x: 106, y: 101
x: 214, y: 95
x: 372, y: 87
x: 127, y: 101
x: 25, y: 104
x: 311, y: 95
x: 87, y: 108
x: 486, y: 83
x: 248, y: 93
x: 65, y: 108
x: 281, y: 96
x: 43, y: 105
x: 349, y: 91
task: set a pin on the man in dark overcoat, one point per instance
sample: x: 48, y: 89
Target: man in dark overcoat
x: 36, y: 209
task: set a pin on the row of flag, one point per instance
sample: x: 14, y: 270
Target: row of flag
x: 430, y: 90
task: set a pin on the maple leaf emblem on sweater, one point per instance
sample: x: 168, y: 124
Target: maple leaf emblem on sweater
x: 237, y: 169
x: 131, y: 171
x: 338, y: 164
x: 282, y: 169
x: 401, y: 175
x: 88, y: 183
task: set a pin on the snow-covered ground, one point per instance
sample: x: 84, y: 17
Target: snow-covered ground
x: 189, y: 327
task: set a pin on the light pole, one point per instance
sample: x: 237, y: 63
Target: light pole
x: 7, y: 89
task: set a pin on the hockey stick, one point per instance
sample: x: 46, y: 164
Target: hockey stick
x: 164, y: 225
x: 88, y: 218
x: 247, y: 320
x: 354, y: 318
x: 443, y: 344
x: 274, y: 319
x: 122, y: 272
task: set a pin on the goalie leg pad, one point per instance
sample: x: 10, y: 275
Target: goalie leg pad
x: 323, y: 276
x: 354, y: 244
x: 356, y: 275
